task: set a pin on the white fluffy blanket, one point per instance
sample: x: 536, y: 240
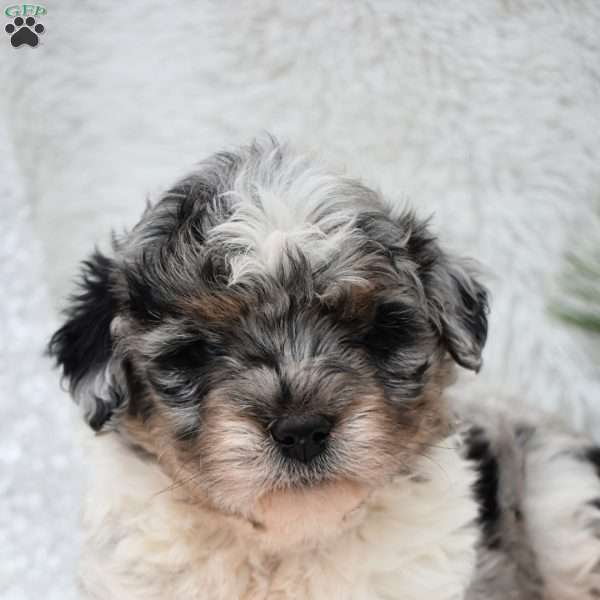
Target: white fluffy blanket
x: 483, y: 112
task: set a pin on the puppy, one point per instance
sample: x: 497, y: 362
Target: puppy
x: 263, y: 359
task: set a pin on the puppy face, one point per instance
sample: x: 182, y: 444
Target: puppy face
x: 269, y: 330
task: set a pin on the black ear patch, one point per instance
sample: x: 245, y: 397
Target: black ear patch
x: 83, y: 345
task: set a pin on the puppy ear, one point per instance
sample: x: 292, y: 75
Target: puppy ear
x: 459, y: 307
x: 83, y: 346
x: 457, y: 302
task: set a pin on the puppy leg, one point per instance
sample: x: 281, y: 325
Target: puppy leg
x: 562, y: 513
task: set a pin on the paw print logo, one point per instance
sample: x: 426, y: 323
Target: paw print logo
x: 24, y: 32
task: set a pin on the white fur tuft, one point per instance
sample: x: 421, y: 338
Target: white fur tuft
x: 285, y: 203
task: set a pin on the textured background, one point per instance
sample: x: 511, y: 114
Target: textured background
x: 486, y: 113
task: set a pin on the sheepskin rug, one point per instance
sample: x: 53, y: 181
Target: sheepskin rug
x: 483, y: 113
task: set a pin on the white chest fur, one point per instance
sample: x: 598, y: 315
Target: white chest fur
x: 412, y: 540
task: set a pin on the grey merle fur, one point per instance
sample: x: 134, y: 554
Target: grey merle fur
x: 167, y: 257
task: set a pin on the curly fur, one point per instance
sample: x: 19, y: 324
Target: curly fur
x: 263, y: 287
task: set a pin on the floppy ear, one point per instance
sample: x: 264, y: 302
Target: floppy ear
x: 457, y: 303
x: 83, y: 346
x: 459, y: 307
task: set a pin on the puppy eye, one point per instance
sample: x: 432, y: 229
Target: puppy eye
x: 186, y: 356
x: 395, y: 325
x: 178, y: 373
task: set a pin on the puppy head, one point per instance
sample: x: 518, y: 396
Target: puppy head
x: 276, y: 336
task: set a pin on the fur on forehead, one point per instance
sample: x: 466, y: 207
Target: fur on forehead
x: 284, y: 205
x: 263, y: 218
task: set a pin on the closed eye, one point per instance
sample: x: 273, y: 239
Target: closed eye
x: 395, y: 326
x: 184, y: 356
x: 180, y: 374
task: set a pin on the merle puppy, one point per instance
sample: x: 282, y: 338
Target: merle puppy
x: 263, y: 359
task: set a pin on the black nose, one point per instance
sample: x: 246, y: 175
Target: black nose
x: 301, y: 438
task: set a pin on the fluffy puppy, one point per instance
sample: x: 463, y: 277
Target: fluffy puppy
x: 263, y: 358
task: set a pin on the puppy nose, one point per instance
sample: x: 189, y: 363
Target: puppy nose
x: 301, y: 438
